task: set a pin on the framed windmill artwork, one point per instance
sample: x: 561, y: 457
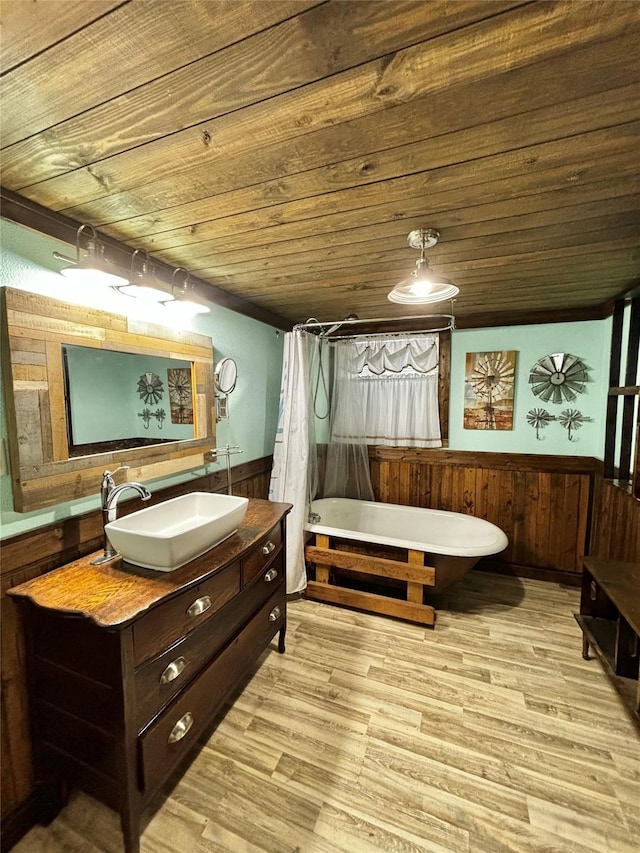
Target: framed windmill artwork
x: 488, y: 390
x: 180, y: 395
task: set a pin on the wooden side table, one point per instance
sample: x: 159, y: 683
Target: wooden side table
x: 610, y: 621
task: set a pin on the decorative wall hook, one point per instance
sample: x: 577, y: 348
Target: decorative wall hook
x: 572, y: 419
x: 147, y: 414
x: 539, y: 419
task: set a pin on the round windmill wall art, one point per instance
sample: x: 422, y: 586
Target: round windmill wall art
x: 558, y: 377
x: 488, y: 390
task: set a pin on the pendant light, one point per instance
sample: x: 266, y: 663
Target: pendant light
x: 143, y: 283
x: 423, y: 286
x: 178, y: 302
x: 91, y: 265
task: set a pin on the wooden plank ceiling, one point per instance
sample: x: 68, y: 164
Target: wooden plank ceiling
x: 283, y: 150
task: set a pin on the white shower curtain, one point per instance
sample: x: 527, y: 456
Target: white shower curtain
x: 291, y: 453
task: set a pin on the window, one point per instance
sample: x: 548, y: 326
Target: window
x: 394, y: 383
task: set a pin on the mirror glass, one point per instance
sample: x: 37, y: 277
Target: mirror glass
x: 85, y: 390
x: 226, y: 375
x: 117, y: 400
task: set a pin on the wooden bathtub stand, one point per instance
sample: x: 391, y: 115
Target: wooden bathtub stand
x: 414, y: 572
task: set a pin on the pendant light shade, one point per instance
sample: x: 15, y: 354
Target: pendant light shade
x: 178, y: 302
x: 143, y: 282
x: 423, y: 286
x: 91, y: 265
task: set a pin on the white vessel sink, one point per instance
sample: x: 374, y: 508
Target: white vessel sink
x: 168, y: 535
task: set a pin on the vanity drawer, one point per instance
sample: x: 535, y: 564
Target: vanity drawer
x: 261, y: 555
x: 170, y: 737
x: 157, y: 681
x: 173, y: 619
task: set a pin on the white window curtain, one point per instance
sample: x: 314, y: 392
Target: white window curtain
x: 395, y: 384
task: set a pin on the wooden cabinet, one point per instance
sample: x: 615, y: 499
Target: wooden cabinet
x: 129, y: 667
x: 610, y: 621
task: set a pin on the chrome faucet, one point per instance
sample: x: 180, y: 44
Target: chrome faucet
x: 111, y: 509
x: 109, y: 497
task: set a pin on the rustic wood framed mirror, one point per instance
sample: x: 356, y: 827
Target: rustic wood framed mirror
x: 36, y: 332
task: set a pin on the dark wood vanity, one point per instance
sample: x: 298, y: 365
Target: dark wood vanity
x: 129, y: 667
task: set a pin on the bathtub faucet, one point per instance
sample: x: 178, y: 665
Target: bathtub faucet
x: 109, y: 497
x: 314, y: 518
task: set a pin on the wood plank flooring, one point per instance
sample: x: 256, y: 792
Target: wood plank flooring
x: 489, y: 734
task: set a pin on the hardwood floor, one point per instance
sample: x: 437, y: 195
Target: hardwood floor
x: 489, y: 734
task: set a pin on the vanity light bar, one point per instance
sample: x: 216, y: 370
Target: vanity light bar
x: 95, y: 268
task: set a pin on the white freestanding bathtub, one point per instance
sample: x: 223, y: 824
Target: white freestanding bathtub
x: 424, y: 548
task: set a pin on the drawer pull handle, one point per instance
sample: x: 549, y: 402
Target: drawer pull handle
x: 269, y: 548
x: 271, y: 575
x: 173, y: 670
x: 275, y: 614
x: 200, y: 605
x: 181, y: 728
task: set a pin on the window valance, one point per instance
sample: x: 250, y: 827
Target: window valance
x: 396, y: 355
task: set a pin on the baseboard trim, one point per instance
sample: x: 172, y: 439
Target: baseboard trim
x: 20, y: 820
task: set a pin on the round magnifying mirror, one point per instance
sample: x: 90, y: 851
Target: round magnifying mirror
x: 226, y: 375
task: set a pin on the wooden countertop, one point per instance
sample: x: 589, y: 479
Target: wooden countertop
x: 621, y: 583
x: 117, y: 592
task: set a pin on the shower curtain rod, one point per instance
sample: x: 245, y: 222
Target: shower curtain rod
x: 338, y: 324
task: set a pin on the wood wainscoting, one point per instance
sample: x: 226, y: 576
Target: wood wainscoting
x: 616, y: 523
x: 34, y: 553
x: 543, y: 503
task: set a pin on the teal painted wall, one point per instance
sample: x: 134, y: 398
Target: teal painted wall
x: 590, y: 341
x: 27, y: 263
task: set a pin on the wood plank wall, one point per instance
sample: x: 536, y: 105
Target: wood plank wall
x: 616, y: 523
x: 32, y: 554
x: 542, y: 503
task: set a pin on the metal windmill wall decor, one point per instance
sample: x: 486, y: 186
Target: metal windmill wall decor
x: 150, y: 387
x: 558, y: 378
